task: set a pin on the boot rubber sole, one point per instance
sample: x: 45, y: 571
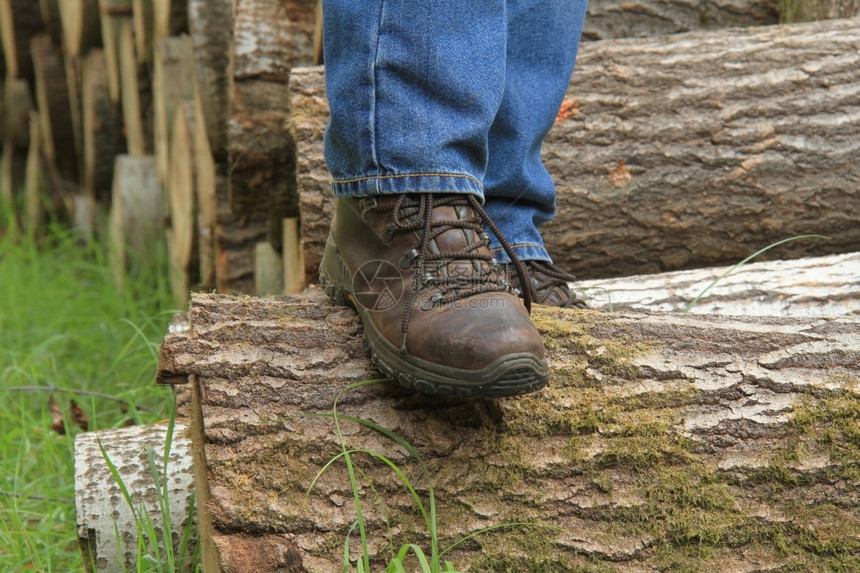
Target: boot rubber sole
x: 509, y: 375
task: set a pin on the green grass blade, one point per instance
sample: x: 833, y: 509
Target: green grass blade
x: 745, y: 261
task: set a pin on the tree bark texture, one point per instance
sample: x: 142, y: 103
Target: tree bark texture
x: 814, y: 286
x: 102, y: 510
x: 663, y: 442
x: 608, y: 19
x: 269, y: 38
x: 719, y: 144
x: 310, y: 112
x: 680, y: 152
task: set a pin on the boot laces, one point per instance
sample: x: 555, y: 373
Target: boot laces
x: 432, y: 267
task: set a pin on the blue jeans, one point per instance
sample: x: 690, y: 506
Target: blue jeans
x: 450, y: 96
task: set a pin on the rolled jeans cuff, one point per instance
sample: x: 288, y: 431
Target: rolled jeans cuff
x: 524, y: 252
x: 408, y: 183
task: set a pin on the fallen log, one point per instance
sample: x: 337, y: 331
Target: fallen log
x: 814, y: 286
x: 607, y: 19
x: 663, y: 442
x: 678, y: 152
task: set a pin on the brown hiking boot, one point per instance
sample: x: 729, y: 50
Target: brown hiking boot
x: 549, y: 284
x: 438, y: 312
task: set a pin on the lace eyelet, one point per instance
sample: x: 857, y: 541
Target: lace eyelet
x: 388, y: 234
x: 408, y: 259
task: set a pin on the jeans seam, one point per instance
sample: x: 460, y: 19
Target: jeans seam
x: 374, y: 100
x: 405, y: 175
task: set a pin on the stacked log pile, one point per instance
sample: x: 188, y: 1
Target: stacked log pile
x: 208, y: 88
x: 90, y: 84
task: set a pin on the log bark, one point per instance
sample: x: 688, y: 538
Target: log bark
x: 269, y: 38
x: 81, y: 26
x: 20, y: 20
x: 211, y: 28
x: 55, y: 111
x: 814, y: 286
x: 663, y: 442
x: 102, y: 126
x: 310, y: 112
x: 685, y: 151
x: 102, y: 510
x: 608, y: 19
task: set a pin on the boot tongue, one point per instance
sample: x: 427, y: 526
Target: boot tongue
x: 455, y: 240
